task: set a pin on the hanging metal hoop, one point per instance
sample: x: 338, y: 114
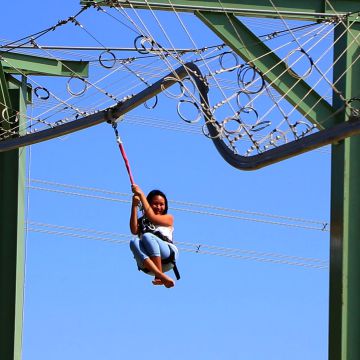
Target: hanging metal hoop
x: 44, y: 96
x: 205, y: 129
x: 150, y: 107
x: 76, y: 93
x: 221, y: 61
x: 295, y: 129
x: 181, y: 103
x: 238, y: 101
x: 260, y: 126
x: 188, y: 92
x: 248, y: 110
x: 276, y: 136
x: 111, y: 60
x: 255, y: 77
x: 169, y: 93
x: 289, y: 69
x: 231, y: 120
x: 5, y: 114
x: 140, y: 42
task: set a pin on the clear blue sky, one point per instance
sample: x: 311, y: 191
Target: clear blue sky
x: 85, y: 299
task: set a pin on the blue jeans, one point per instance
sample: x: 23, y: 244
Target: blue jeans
x: 149, y: 245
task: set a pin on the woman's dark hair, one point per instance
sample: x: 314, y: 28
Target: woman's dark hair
x: 154, y: 193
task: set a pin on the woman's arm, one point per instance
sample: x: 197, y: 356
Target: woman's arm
x: 162, y: 220
x: 133, y: 215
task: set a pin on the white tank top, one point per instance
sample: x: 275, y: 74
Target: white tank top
x: 166, y: 231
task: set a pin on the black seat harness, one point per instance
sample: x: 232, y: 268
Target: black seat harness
x: 146, y: 226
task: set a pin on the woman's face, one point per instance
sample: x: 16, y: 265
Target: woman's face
x: 158, y: 204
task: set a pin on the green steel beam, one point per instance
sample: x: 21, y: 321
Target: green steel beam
x: 296, y: 9
x: 14, y: 83
x: 14, y: 63
x: 344, y: 324
x: 5, y: 102
x: 250, y: 47
x: 12, y: 184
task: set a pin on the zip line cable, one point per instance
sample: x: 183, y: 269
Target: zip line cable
x: 227, y: 212
x: 197, y: 248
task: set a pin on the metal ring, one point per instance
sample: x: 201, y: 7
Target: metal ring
x: 5, y: 114
x: 293, y: 73
x: 188, y: 92
x: 248, y: 110
x: 354, y: 111
x: 112, y: 59
x: 169, y: 93
x: 260, y: 126
x: 81, y: 91
x: 184, y: 118
x: 221, y: 61
x: 249, y: 103
x: 205, y: 129
x: 274, y: 138
x: 143, y: 40
x: 153, y: 106
x: 243, y: 84
x: 308, y: 129
x: 42, y: 97
x: 232, y: 119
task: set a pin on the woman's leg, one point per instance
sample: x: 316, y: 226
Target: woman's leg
x: 157, y: 250
x: 165, y: 280
x: 147, y: 253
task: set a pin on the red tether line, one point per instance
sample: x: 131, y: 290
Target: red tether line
x: 123, y: 153
x: 122, y: 150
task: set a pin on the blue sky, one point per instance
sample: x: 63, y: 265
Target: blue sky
x: 85, y: 299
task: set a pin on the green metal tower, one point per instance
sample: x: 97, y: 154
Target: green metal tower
x: 15, y: 94
x: 222, y: 18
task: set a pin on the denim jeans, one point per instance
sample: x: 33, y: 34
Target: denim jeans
x: 150, y: 245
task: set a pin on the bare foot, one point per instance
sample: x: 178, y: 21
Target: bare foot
x: 157, y: 281
x: 167, y: 281
x: 163, y: 279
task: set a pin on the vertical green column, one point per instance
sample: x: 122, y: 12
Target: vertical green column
x: 344, y: 326
x: 12, y: 181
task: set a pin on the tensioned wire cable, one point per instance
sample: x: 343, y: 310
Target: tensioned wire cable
x: 43, y: 32
x: 228, y: 212
x: 100, y: 79
x: 238, y: 34
x: 153, y: 122
x: 63, y: 103
x: 60, y: 60
x: 340, y: 17
x: 262, y: 93
x: 165, y: 57
x: 290, y: 129
x: 198, y: 248
x: 331, y: 67
x: 164, y: 124
x: 300, y: 46
x: 324, y: 96
x: 287, y: 28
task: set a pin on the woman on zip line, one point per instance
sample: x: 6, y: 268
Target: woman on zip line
x: 153, y: 249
